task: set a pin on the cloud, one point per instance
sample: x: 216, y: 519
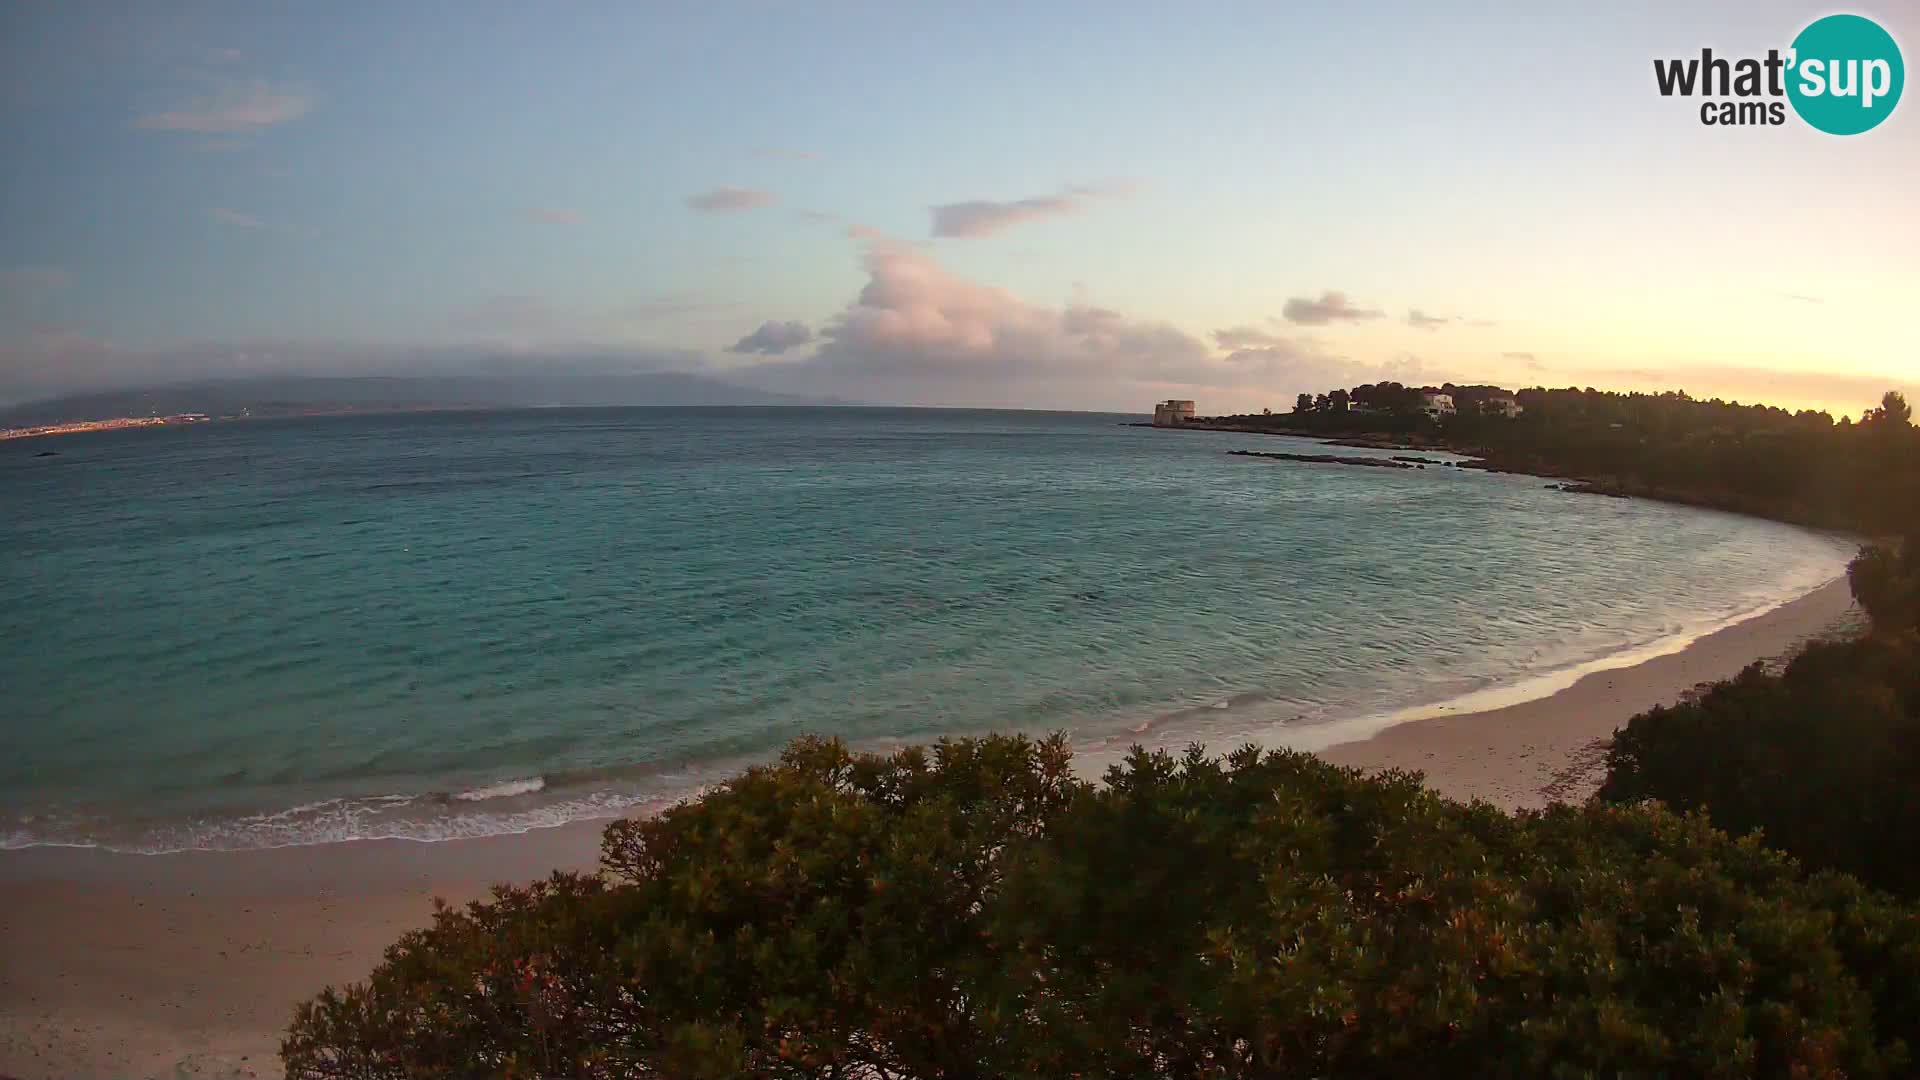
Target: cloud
x: 1332, y: 307
x: 725, y: 200
x: 917, y: 333
x: 554, y: 215
x: 1420, y: 320
x: 1531, y: 361
x: 235, y: 218
x: 1292, y: 367
x: 914, y: 318
x: 238, y: 107
x: 1803, y: 298
x: 773, y: 338
x: 817, y: 217
x: 1246, y: 337
x: 984, y: 218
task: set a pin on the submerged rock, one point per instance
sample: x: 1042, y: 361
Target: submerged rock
x: 1326, y: 459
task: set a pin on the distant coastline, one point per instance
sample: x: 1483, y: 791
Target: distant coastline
x: 121, y: 423
x: 115, y: 424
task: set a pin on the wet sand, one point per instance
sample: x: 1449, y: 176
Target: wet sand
x: 189, y: 965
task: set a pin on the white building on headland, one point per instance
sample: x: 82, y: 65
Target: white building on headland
x: 1172, y: 412
x: 1501, y: 405
x: 1436, y: 404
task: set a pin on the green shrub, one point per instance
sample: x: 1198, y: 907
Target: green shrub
x: 975, y: 910
x: 1823, y: 759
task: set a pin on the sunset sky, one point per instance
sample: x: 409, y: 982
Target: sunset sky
x: 1045, y: 205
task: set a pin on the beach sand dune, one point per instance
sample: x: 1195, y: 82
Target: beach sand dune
x: 189, y: 965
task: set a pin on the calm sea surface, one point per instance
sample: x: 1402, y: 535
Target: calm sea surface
x: 453, y: 624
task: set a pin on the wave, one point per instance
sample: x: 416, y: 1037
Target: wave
x: 505, y: 789
x: 422, y: 819
x: 1271, y: 720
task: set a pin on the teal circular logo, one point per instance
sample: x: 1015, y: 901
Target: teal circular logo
x: 1845, y: 74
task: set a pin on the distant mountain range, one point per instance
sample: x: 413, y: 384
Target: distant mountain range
x: 297, y: 396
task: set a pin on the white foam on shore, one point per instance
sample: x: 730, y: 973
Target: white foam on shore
x: 1180, y: 728
x: 505, y: 789
x: 1320, y: 737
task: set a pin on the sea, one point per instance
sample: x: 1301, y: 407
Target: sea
x: 437, y: 625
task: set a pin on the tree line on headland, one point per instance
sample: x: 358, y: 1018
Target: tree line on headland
x: 1740, y: 900
x: 1805, y: 467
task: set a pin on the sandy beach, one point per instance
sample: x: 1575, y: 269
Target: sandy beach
x: 1553, y: 749
x: 189, y: 965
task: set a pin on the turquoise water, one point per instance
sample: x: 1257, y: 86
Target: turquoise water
x: 455, y: 624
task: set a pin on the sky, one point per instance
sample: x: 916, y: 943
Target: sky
x: 1051, y: 205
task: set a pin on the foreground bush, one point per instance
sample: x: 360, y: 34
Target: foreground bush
x: 1823, y: 759
x: 977, y: 911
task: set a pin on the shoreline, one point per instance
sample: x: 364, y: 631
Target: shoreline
x: 189, y: 964
x: 1530, y: 753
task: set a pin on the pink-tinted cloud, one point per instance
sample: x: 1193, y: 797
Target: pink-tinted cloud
x: 919, y: 333
x: 1332, y: 307
x: 984, y: 218
x: 238, y: 108
x: 554, y: 215
x: 726, y: 200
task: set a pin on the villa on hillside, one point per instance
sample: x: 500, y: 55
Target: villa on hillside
x: 1501, y: 405
x: 1436, y: 403
x: 1172, y: 413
